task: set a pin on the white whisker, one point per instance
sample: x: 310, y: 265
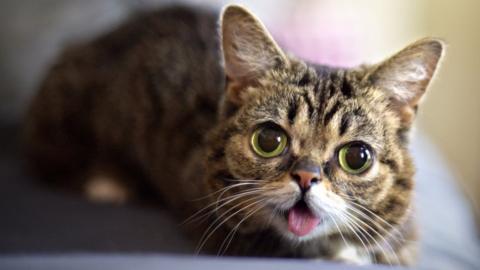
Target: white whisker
x: 391, y: 250
x: 356, y: 235
x: 229, y: 199
x: 231, y: 234
x: 209, y: 231
x: 223, y: 189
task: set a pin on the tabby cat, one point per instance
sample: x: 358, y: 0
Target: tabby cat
x: 263, y: 154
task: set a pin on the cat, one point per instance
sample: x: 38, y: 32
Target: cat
x: 261, y: 153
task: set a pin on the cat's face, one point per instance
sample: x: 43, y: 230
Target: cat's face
x: 312, y: 151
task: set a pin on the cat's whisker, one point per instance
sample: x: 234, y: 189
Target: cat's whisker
x: 243, y: 180
x: 364, y: 233
x: 273, y: 214
x: 350, y: 220
x: 394, y: 233
x: 221, y: 190
x: 209, y: 232
x: 393, y: 228
x: 389, y: 234
x: 245, y: 194
x: 338, y: 229
x: 195, y: 216
x: 356, y: 234
x: 219, y: 199
x: 231, y: 234
x: 391, y: 250
x: 366, y: 236
x: 216, y: 203
x: 238, y: 196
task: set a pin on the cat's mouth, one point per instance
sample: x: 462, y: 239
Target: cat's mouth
x: 301, y: 220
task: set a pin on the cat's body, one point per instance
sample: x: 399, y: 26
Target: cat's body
x: 128, y: 94
x: 150, y: 101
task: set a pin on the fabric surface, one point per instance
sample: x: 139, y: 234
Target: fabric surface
x: 140, y: 262
x: 449, y: 239
x: 35, y: 219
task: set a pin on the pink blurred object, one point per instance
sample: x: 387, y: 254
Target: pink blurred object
x: 321, y: 33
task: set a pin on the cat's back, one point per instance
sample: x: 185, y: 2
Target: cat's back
x: 155, y: 74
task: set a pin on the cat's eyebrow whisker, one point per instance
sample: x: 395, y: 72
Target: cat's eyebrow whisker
x: 206, y: 236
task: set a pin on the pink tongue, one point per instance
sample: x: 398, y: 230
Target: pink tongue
x: 301, y: 221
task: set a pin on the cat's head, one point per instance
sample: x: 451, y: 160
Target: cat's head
x: 309, y: 150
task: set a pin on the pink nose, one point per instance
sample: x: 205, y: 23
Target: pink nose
x: 306, y: 173
x: 305, y: 178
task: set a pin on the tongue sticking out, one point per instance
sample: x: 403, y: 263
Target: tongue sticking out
x: 301, y: 221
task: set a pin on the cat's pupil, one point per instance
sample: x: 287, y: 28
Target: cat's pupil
x: 269, y: 139
x: 357, y: 156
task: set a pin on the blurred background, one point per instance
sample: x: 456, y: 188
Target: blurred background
x: 343, y: 33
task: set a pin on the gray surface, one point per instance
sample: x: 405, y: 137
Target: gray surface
x: 449, y: 239
x: 138, y: 262
x: 34, y: 218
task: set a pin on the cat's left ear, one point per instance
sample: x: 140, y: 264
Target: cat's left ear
x: 406, y: 75
x: 248, y: 50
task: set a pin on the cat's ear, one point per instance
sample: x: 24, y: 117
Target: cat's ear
x: 248, y: 49
x: 406, y: 75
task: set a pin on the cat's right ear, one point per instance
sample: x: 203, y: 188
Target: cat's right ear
x: 248, y: 51
x: 406, y: 75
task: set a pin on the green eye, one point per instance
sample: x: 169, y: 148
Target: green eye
x: 355, y: 158
x: 269, y: 141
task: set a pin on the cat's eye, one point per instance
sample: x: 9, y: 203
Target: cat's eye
x: 269, y: 141
x: 355, y: 157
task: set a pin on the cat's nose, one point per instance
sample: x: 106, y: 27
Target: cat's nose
x: 306, y: 173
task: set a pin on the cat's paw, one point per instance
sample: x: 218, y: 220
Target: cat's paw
x: 104, y: 189
x: 352, y: 255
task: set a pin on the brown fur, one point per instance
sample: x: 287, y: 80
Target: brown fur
x: 145, y: 96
